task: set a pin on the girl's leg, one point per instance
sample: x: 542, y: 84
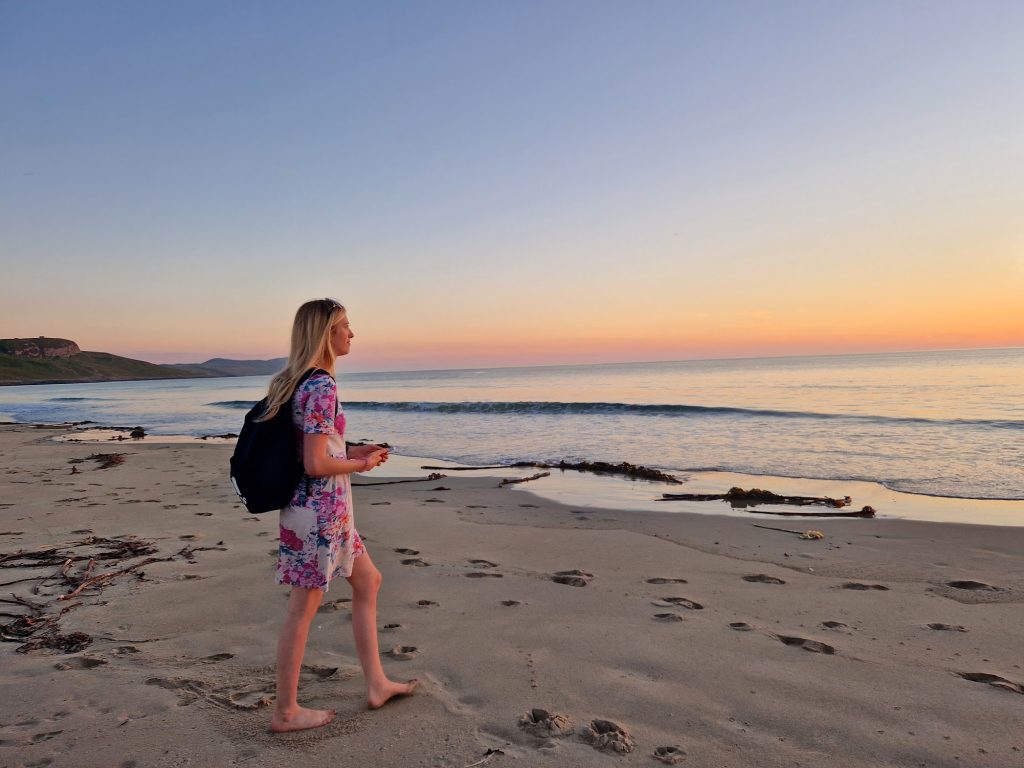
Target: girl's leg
x: 291, y: 645
x: 365, y: 581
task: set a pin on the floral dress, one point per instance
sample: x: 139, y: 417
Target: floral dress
x: 319, y: 541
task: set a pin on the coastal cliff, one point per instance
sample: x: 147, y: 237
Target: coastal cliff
x: 44, y: 360
x: 39, y: 347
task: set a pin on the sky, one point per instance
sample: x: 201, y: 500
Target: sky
x: 513, y: 183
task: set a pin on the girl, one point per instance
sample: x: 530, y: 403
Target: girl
x: 319, y: 541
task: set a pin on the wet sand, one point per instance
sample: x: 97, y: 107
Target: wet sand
x: 642, y: 635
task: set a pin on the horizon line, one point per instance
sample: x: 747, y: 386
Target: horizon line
x: 877, y: 353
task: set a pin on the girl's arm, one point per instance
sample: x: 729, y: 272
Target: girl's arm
x: 318, y: 463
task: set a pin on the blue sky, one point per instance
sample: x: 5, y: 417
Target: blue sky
x: 513, y: 182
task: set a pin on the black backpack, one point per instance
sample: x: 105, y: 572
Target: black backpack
x: 266, y: 466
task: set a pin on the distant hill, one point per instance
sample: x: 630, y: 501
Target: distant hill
x: 45, y: 360
x: 220, y: 366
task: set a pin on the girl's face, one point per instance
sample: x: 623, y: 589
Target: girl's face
x: 341, y: 336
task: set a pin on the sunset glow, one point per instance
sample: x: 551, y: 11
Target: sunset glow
x: 510, y: 185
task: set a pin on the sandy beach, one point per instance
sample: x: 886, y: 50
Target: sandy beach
x: 706, y: 640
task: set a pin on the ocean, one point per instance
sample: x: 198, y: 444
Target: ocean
x: 945, y: 423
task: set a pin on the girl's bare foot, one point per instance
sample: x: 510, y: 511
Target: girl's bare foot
x: 379, y: 695
x: 300, y: 719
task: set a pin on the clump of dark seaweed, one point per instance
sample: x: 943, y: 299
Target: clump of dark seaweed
x: 632, y: 471
x: 106, y: 460
x: 76, y: 567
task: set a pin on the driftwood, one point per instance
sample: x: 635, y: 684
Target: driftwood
x: 430, y: 477
x: 626, y: 469
x: 780, y: 530
x: 864, y: 512
x: 758, y: 496
x: 514, y: 480
x: 806, y: 535
x: 755, y: 496
x: 466, y: 469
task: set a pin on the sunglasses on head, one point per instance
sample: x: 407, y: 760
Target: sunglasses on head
x: 333, y: 303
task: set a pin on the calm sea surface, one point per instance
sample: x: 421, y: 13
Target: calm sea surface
x: 936, y: 423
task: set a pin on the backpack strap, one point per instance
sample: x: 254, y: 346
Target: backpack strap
x: 309, y: 373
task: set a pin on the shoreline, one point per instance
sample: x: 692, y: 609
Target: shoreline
x: 695, y: 631
x: 590, y: 489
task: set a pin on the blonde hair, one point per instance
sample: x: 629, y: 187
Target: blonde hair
x: 310, y: 347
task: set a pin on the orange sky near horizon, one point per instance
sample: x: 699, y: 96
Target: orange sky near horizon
x: 737, y: 328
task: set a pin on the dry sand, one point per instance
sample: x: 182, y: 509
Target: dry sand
x: 696, y: 634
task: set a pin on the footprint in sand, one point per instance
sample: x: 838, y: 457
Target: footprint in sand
x: 204, y: 514
x: 216, y: 657
x: 433, y: 501
x: 417, y: 562
x: 80, y: 662
x: 994, y: 680
x: 380, y: 503
x: 427, y: 603
x: 83, y: 530
x: 684, y: 602
x: 402, y: 652
x: 41, y: 737
x: 188, y: 537
x: 833, y: 625
x: 669, y: 617
x: 484, y: 575
x: 318, y: 673
x: 740, y: 626
x: 664, y: 580
x: 574, y: 578
x: 546, y: 724
x: 855, y: 585
x: 406, y: 551
x: 510, y: 603
x: 335, y: 605
x: 974, y: 586
x: 606, y: 735
x: 763, y: 578
x: 669, y: 755
x: 476, y: 506
x: 814, y: 646
x: 191, y: 691
x: 254, y: 699
x: 124, y: 650
x: 390, y: 627
x: 483, y: 564
x: 940, y: 627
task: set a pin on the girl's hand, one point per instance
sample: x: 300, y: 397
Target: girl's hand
x: 375, y: 458
x: 362, y: 451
